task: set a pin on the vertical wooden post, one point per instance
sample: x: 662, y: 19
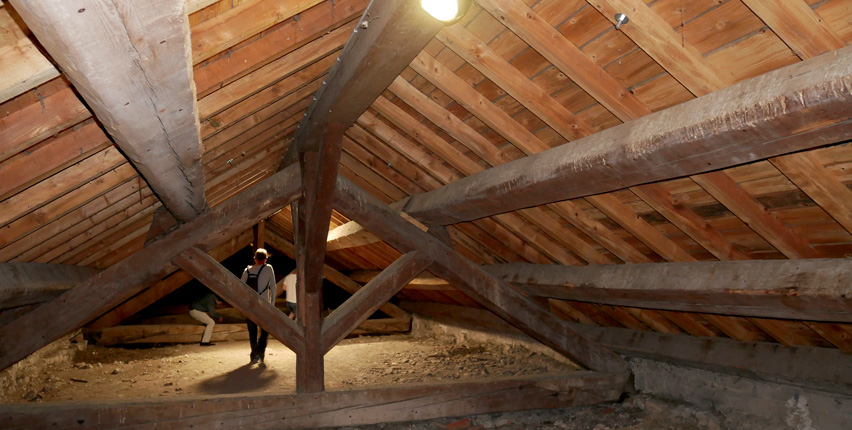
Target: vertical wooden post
x: 258, y: 231
x: 319, y: 164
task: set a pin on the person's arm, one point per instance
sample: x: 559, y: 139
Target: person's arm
x: 210, y: 306
x: 244, y: 276
x: 271, y: 282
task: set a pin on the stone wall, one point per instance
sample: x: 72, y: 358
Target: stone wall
x: 741, y: 403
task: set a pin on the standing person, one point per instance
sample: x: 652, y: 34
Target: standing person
x: 261, y: 278
x: 290, y: 286
x: 202, y: 309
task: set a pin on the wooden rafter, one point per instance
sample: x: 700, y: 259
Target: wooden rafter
x: 130, y: 64
x: 726, y: 128
x: 388, y: 36
x: 488, y: 291
x: 566, y: 56
x: 29, y: 283
x: 91, y: 299
x: 747, y: 208
x: 22, y: 67
x: 814, y: 289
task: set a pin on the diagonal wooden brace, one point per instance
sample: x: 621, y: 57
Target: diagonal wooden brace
x: 371, y: 297
x: 465, y: 275
x: 252, y: 305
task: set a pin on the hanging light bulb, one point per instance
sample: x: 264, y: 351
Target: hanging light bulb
x: 446, y: 10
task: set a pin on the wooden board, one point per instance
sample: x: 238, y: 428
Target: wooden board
x: 328, y: 409
x: 22, y: 66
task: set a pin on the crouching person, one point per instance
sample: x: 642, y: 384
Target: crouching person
x: 202, y: 309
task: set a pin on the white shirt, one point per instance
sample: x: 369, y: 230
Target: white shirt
x: 290, y: 285
x: 266, y: 279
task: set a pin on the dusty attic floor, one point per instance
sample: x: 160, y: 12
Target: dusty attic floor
x: 100, y: 373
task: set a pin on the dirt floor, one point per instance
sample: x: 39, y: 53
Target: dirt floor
x: 100, y: 373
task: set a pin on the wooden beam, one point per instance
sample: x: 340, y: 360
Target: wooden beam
x: 24, y: 128
x: 240, y: 296
x: 258, y: 230
x: 727, y: 128
x: 131, y: 65
x: 689, y: 222
x: 349, y: 235
x: 807, y: 170
x: 491, y: 64
x: 755, y: 215
x: 311, y: 220
x: 165, y: 286
x: 567, y: 57
x: 797, y: 25
x: 466, y: 276
x: 22, y: 66
x: 329, y: 409
x: 812, y: 290
x: 659, y: 40
x: 388, y: 36
x: 758, y: 360
x: 30, y: 283
x: 367, y: 300
x: 111, y: 287
x: 240, y: 23
x: 335, y: 277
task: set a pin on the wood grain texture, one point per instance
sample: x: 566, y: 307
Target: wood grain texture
x: 130, y: 63
x: 368, y: 299
x: 730, y: 127
x: 757, y: 360
x: 90, y: 299
x: 815, y: 289
x: 254, y: 306
x: 329, y: 409
x: 22, y: 66
x: 462, y: 273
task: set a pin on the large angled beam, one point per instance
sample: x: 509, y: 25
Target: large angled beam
x: 131, y: 64
x: 113, y: 286
x: 165, y: 286
x: 241, y: 297
x: 812, y: 289
x: 801, y: 106
x: 492, y: 293
x: 367, y: 300
x: 388, y: 36
x: 31, y: 283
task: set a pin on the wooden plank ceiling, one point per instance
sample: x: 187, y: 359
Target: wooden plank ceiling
x: 512, y: 79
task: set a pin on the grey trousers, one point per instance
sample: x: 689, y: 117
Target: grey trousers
x: 204, y: 318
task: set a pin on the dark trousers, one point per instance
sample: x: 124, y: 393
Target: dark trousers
x: 258, y: 343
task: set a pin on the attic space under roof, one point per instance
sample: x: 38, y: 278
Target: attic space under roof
x: 686, y: 175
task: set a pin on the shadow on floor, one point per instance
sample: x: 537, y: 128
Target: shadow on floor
x: 244, y: 379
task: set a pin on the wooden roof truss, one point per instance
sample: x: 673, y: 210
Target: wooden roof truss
x: 450, y: 199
